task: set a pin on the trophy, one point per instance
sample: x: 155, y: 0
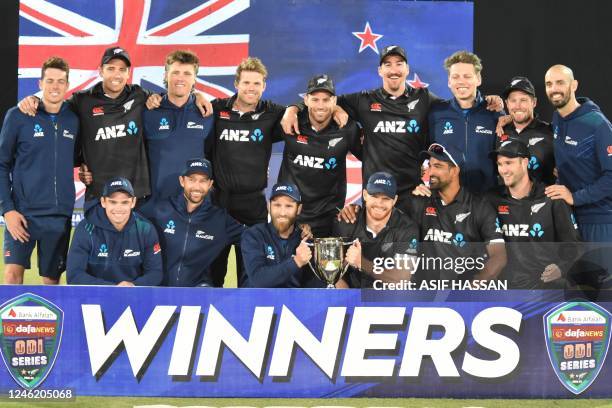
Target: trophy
x: 329, y: 259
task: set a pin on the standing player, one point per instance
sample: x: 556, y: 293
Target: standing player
x: 464, y: 123
x: 245, y: 128
x: 528, y: 219
x: 36, y: 179
x: 315, y: 159
x: 521, y: 100
x: 176, y: 131
x: 114, y: 245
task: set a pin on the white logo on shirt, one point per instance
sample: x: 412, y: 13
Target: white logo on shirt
x: 536, y: 207
x: 461, y: 217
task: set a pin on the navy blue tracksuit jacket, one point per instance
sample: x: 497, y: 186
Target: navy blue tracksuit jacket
x: 192, y: 241
x: 36, y: 162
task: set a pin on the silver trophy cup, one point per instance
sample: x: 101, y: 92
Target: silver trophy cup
x: 329, y: 260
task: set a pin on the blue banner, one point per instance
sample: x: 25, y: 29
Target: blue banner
x: 199, y: 342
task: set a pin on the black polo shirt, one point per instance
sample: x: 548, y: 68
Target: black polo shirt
x: 449, y: 231
x: 400, y: 236
x: 538, y: 136
x: 530, y: 225
x: 316, y: 163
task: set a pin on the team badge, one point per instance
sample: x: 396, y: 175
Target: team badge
x: 577, y: 338
x: 30, y: 338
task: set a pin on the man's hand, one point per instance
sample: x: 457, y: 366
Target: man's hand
x: 353, y: 255
x: 125, y: 283
x: 29, y: 105
x: 340, y: 116
x: 17, y: 225
x: 289, y: 122
x: 85, y: 175
x: 551, y: 273
x: 349, y: 213
x: 494, y: 103
x: 422, y: 190
x: 501, y: 122
x: 341, y: 284
x: 306, y: 231
x: 559, y: 192
x: 203, y: 104
x: 302, y: 254
x: 153, y: 101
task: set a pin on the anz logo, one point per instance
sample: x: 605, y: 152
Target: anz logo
x: 315, y: 162
x: 170, y: 228
x: 240, y: 135
x: 113, y: 132
x: 397, y: 126
x: 523, y: 230
x: 436, y: 235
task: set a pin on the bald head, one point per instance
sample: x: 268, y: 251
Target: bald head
x: 561, y: 88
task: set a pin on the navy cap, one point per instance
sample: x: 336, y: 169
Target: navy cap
x: 446, y: 154
x: 392, y: 50
x: 383, y: 183
x: 511, y: 148
x: 118, y: 184
x: 286, y: 189
x: 321, y: 83
x: 519, y: 83
x: 115, y: 52
x: 197, y: 165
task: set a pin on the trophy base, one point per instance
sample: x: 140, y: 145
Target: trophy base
x: 331, y: 286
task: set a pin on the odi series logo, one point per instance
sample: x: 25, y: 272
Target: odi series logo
x: 30, y: 338
x: 577, y: 339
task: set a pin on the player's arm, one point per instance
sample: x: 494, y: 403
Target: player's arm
x: 233, y: 229
x: 496, y: 248
x: 8, y: 145
x: 260, y: 274
x: 355, y: 141
x: 567, y: 236
x: 77, y: 270
x: 152, y: 267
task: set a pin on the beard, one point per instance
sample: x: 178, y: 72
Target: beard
x: 283, y: 225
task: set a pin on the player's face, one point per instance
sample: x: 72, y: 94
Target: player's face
x: 378, y: 206
x: 181, y: 79
x: 250, y: 87
x: 512, y: 169
x: 521, y: 106
x: 283, y: 212
x: 321, y: 106
x: 463, y: 81
x: 114, y: 76
x: 393, y: 72
x: 54, y: 85
x: 440, y: 174
x: 118, y: 208
x: 560, y: 88
x: 195, y: 187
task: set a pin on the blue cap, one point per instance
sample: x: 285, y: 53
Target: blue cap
x: 286, y: 189
x: 383, y: 183
x: 448, y: 154
x: 118, y: 184
x: 198, y: 165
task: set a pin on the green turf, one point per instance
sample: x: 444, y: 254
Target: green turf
x: 117, y: 402
x: 31, y: 276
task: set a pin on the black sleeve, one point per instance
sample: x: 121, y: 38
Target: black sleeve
x: 433, y: 98
x: 487, y: 222
x: 354, y: 140
x: 277, y: 132
x: 350, y: 103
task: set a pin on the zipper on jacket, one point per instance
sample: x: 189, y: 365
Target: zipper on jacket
x: 178, y: 270
x: 55, y: 164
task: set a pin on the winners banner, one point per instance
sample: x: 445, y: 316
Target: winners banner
x: 195, y: 342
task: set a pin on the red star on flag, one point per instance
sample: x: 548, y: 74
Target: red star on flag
x: 416, y: 82
x: 368, y: 38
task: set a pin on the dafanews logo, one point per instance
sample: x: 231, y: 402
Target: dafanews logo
x: 577, y: 338
x: 30, y: 338
x: 241, y: 135
x: 113, y: 132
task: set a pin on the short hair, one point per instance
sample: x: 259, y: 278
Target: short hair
x: 184, y: 57
x: 251, y: 64
x: 464, y: 57
x: 57, y: 63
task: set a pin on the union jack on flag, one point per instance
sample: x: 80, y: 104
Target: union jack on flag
x: 61, y: 28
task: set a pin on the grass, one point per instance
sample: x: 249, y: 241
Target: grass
x: 31, y: 276
x: 119, y: 402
